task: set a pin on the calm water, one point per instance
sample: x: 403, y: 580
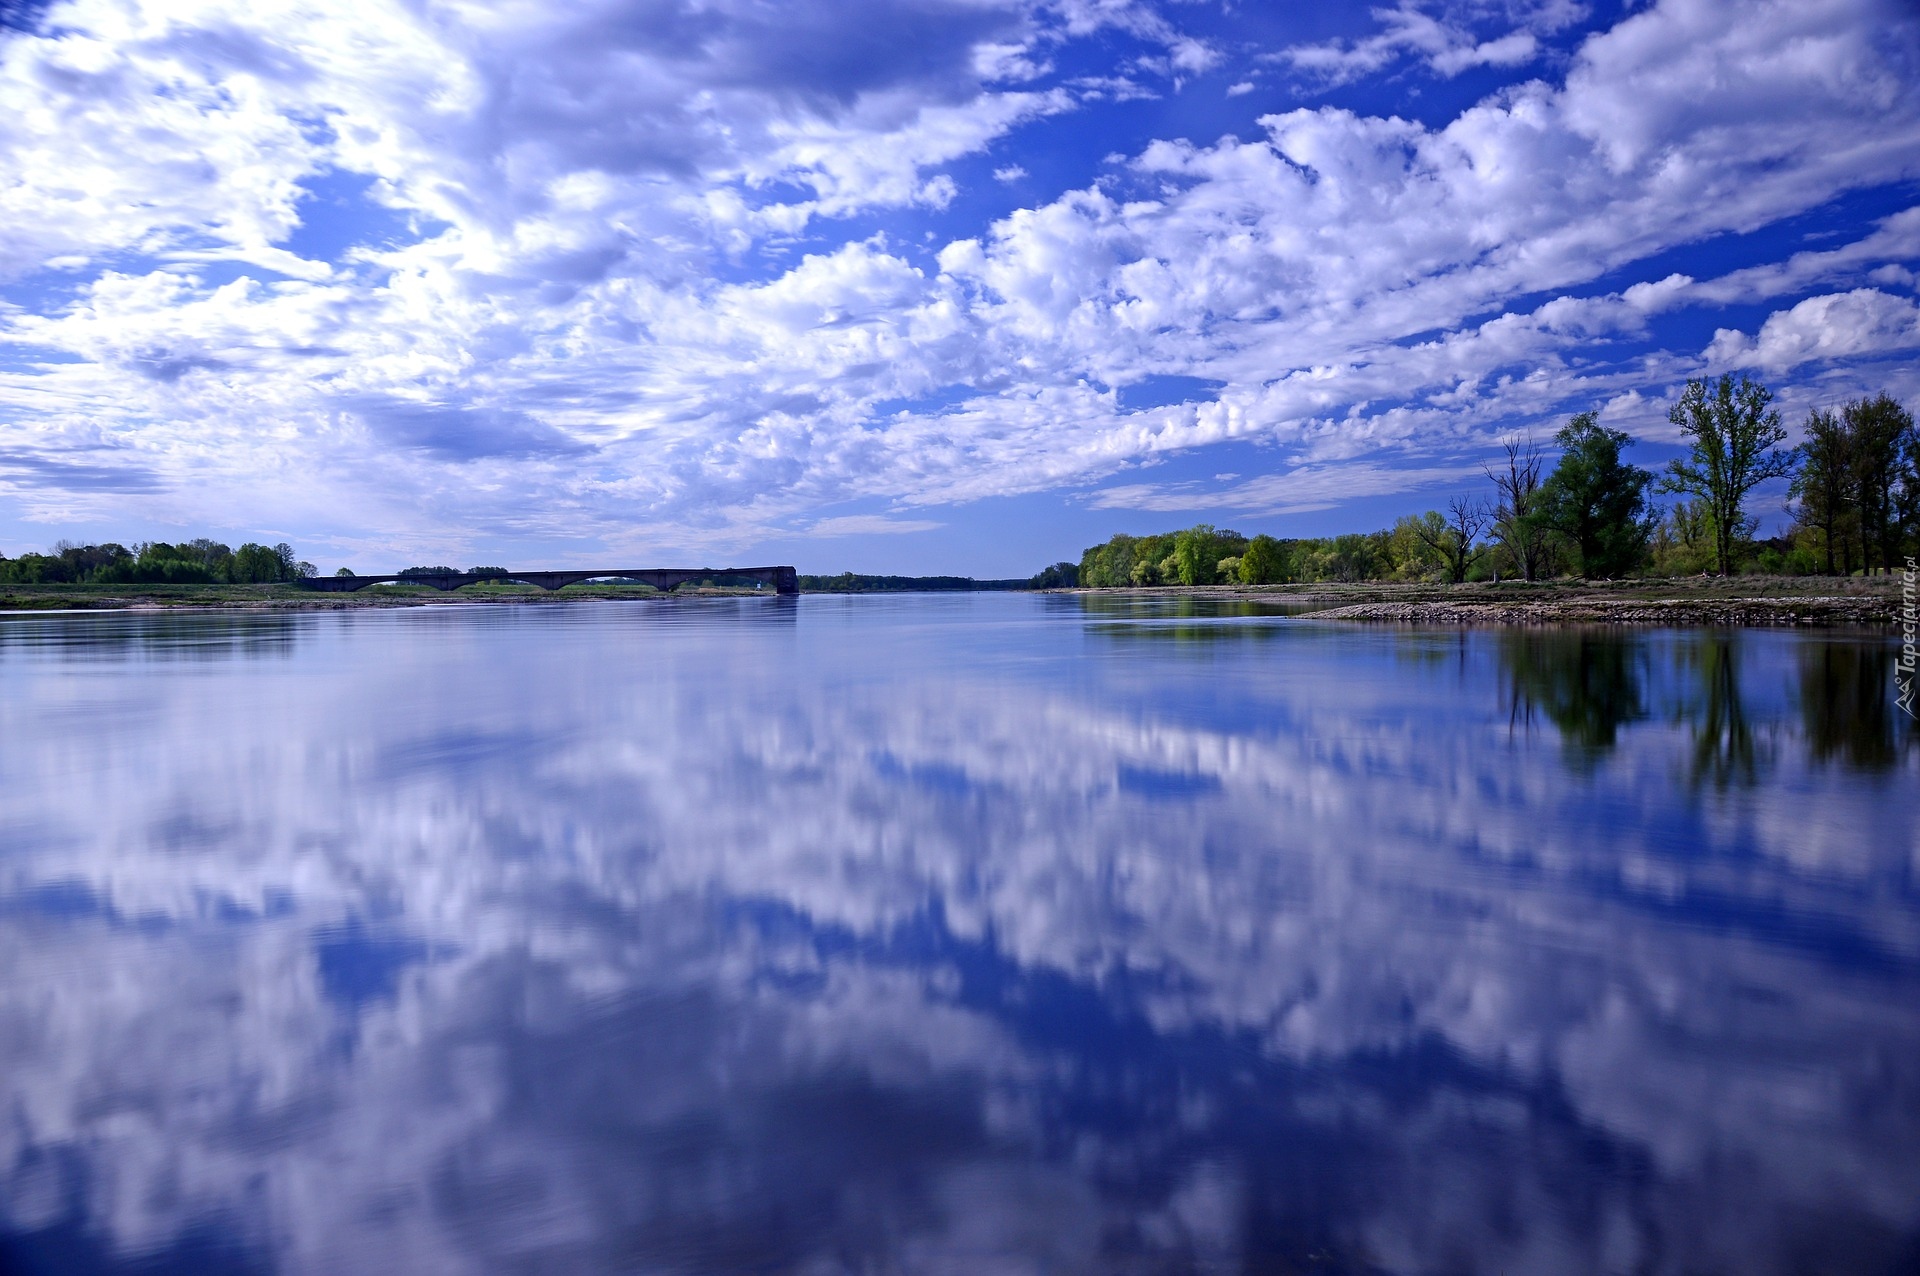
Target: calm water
x: 974, y: 934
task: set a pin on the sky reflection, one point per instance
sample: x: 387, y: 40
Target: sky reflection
x: 951, y: 934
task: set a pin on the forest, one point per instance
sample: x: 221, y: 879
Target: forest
x: 1853, y: 488
x: 195, y: 562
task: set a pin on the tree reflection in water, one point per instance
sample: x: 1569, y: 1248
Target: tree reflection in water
x: 1588, y: 683
x: 1592, y: 685
x: 953, y: 935
x: 1726, y: 751
x: 1846, y: 705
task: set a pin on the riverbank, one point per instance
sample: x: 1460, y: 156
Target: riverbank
x: 1692, y: 602
x: 1746, y: 602
x: 294, y: 598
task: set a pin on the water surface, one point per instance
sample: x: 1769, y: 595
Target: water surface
x: 968, y: 934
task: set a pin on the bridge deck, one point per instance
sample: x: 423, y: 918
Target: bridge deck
x: 666, y: 579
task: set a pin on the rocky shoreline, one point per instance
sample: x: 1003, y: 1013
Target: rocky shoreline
x: 1746, y: 602
x: 1661, y: 612
x: 1693, y: 602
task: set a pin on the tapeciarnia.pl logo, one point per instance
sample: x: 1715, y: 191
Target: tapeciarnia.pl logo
x: 1903, y: 669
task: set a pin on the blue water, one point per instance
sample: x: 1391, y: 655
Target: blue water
x: 963, y: 934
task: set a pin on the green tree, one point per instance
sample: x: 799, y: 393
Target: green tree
x: 1196, y: 551
x: 1265, y: 562
x: 1356, y: 557
x: 1683, y: 544
x: 1596, y: 500
x: 1453, y: 538
x: 1881, y: 442
x: 1059, y: 576
x: 1824, y: 488
x: 1411, y: 545
x: 1733, y: 438
x: 1109, y: 565
x: 1134, y: 560
x: 256, y: 565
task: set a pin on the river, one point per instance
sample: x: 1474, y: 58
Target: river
x: 951, y: 934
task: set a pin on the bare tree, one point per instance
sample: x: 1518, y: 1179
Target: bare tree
x: 1454, y: 540
x: 1516, y: 515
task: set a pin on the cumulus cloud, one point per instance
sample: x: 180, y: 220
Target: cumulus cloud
x: 641, y: 272
x: 1863, y: 322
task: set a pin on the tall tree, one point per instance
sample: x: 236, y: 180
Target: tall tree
x: 1266, y: 561
x: 1686, y: 537
x: 1453, y: 538
x: 1198, y: 550
x: 1733, y: 440
x: 1353, y: 556
x: 1597, y: 500
x: 1516, y: 514
x: 1880, y: 437
x: 1410, y: 546
x: 1824, y: 487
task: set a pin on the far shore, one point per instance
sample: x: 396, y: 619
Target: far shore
x: 32, y: 598
x: 1692, y: 602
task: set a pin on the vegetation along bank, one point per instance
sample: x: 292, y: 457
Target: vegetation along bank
x: 1530, y: 547
x: 1854, y: 492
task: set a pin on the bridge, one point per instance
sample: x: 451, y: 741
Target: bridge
x: 664, y: 579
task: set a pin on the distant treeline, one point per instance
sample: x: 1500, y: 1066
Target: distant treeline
x: 1855, y: 492
x: 854, y: 583
x: 195, y: 562
x: 200, y: 562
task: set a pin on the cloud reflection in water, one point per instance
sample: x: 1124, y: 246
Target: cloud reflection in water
x: 951, y: 934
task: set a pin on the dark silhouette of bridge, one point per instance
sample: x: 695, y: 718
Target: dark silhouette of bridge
x: 664, y: 579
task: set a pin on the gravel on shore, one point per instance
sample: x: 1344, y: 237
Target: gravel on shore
x: 1803, y: 612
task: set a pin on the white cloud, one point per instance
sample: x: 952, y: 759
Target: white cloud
x: 623, y: 297
x: 1295, y: 491
x: 870, y: 525
x: 1446, y: 43
x: 1864, y: 322
x: 1895, y: 239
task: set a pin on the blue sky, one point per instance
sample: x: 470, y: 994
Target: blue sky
x: 908, y: 285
